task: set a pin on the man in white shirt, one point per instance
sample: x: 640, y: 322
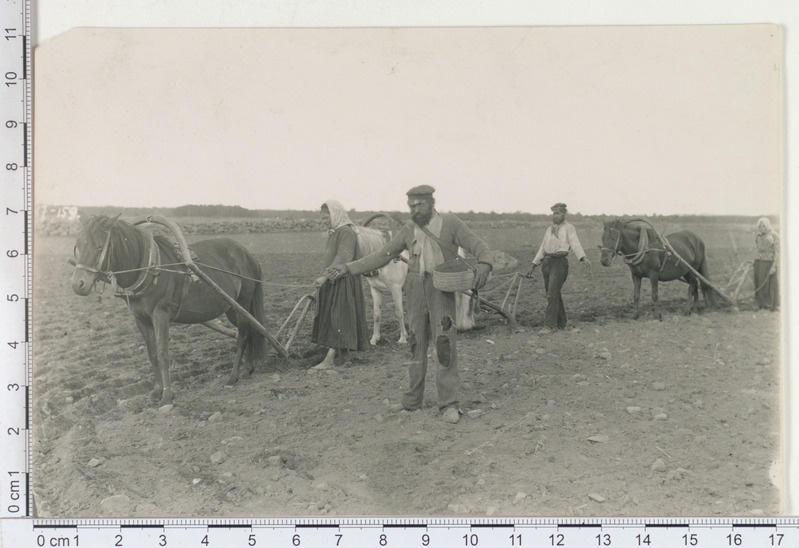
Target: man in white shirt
x: 559, y: 239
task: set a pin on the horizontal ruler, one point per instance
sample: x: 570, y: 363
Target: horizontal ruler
x: 415, y: 532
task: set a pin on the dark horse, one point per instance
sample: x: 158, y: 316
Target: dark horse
x: 647, y: 256
x: 148, y: 273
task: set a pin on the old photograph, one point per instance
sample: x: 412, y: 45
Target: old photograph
x: 487, y: 271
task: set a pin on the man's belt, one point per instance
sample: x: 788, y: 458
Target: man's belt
x: 556, y: 255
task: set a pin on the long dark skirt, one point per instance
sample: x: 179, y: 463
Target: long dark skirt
x: 766, y: 286
x: 340, y: 320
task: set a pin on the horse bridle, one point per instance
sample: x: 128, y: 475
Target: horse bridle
x: 99, y: 268
x: 110, y: 277
x: 639, y: 254
x: 615, y: 250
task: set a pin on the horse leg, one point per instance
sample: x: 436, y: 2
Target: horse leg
x: 161, y: 329
x: 636, y: 297
x: 244, y: 346
x: 399, y: 312
x: 653, y: 281
x: 241, y: 345
x: 377, y: 302
x: 693, y: 295
x: 148, y: 333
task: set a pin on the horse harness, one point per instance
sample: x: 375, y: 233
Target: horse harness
x: 148, y: 274
x: 644, y: 247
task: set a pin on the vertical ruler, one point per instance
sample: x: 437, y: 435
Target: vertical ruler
x: 15, y: 256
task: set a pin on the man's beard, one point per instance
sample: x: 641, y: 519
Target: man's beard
x: 421, y: 219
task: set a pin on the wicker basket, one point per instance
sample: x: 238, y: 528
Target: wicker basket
x: 455, y: 275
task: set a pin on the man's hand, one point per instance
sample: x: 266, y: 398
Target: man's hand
x: 587, y: 263
x: 336, y: 271
x: 530, y: 272
x: 481, y: 275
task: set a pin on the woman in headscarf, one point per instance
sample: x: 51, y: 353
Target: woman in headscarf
x: 340, y: 322
x: 765, y: 266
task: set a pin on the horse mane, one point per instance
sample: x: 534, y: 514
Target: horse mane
x: 369, y: 240
x: 641, y: 225
x: 618, y: 223
x: 127, y: 245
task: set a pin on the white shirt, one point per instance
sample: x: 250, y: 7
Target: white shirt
x: 565, y: 241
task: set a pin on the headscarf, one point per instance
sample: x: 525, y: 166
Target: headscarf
x: 338, y: 215
x: 766, y: 222
x: 767, y: 240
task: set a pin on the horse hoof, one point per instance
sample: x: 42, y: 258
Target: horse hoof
x: 155, y: 395
x: 231, y: 381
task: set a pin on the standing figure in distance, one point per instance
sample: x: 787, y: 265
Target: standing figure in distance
x: 559, y: 238
x: 765, y: 266
x: 431, y: 312
x: 340, y: 322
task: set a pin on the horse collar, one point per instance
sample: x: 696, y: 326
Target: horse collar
x: 148, y: 273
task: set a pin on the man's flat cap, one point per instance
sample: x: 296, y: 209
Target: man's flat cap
x: 559, y: 207
x: 421, y: 190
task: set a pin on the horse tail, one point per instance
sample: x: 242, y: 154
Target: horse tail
x: 707, y: 291
x: 257, y: 341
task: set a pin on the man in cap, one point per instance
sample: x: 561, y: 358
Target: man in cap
x: 559, y: 238
x: 431, y: 238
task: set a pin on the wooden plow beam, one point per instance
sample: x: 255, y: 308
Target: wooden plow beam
x: 184, y: 250
x: 309, y: 301
x: 693, y: 271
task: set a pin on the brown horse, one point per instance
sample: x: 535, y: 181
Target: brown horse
x: 148, y: 273
x: 646, y: 255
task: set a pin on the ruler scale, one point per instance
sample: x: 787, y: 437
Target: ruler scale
x: 15, y: 257
x: 397, y: 532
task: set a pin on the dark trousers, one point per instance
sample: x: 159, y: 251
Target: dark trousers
x: 555, y: 271
x: 431, y: 319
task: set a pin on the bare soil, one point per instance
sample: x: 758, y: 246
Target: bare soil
x: 612, y: 417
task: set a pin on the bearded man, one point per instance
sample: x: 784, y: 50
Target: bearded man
x: 559, y: 238
x: 431, y: 312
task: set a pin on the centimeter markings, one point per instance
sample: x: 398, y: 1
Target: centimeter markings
x: 413, y: 532
x: 15, y: 257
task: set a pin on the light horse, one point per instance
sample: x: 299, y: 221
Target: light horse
x: 646, y: 255
x: 146, y: 271
x: 389, y: 278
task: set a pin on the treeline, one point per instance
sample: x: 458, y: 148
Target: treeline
x: 237, y: 212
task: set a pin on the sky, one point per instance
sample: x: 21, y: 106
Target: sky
x: 610, y: 120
